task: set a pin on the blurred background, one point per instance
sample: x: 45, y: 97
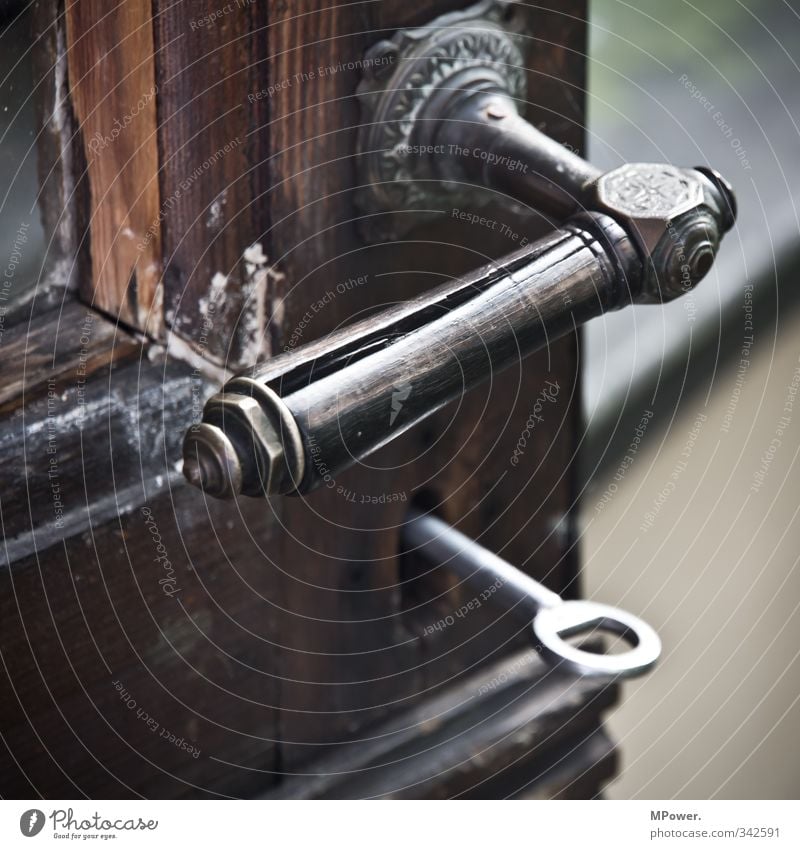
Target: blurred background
x: 691, y: 499
x: 690, y: 494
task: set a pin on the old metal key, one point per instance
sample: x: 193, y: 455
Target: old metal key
x: 553, y: 620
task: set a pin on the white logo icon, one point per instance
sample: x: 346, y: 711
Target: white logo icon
x: 31, y: 822
x: 400, y: 394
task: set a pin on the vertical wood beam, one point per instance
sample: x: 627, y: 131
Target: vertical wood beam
x: 112, y: 81
x: 217, y: 279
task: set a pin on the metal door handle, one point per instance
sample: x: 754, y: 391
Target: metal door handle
x: 551, y: 619
x: 642, y: 233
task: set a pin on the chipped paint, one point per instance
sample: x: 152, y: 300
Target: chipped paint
x: 256, y: 290
x: 182, y: 350
x: 254, y: 257
x: 150, y: 318
x: 215, y: 218
x: 219, y: 283
x: 278, y: 310
x: 216, y: 309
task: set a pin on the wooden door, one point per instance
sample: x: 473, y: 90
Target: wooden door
x: 197, y: 193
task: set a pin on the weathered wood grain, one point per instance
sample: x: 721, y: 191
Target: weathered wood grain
x: 297, y: 631
x: 343, y: 593
x: 63, y: 196
x: 209, y: 66
x: 113, y: 570
x: 63, y: 346
x: 517, y: 719
x: 138, y: 655
x: 113, y: 90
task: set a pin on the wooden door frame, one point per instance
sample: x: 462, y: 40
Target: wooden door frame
x: 130, y: 395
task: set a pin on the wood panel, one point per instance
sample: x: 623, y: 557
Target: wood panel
x: 63, y: 195
x: 506, y: 730
x: 348, y: 660
x: 137, y: 647
x: 62, y: 346
x: 113, y: 90
x: 136, y: 659
x: 209, y: 66
x: 342, y: 591
x: 523, y: 511
x: 296, y: 630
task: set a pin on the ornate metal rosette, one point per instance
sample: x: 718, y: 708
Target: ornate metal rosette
x: 401, y: 76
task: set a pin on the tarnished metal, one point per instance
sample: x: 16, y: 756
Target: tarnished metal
x: 676, y: 215
x: 441, y: 120
x: 402, y: 79
x: 337, y: 400
x: 442, y: 126
x: 247, y: 444
x: 210, y: 461
x: 552, y: 620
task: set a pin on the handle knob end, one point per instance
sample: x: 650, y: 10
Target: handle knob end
x: 210, y: 461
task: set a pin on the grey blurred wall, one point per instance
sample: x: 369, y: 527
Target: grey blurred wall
x: 717, y: 575
x: 702, y: 535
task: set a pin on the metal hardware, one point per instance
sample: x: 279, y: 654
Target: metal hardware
x: 443, y: 129
x: 552, y: 620
x: 400, y: 75
x: 642, y: 233
x: 254, y: 425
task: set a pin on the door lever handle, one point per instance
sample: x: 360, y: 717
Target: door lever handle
x: 642, y: 233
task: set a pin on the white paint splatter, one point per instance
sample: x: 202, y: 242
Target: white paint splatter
x: 183, y: 350
x: 255, y: 254
x: 219, y: 283
x: 207, y: 305
x: 258, y: 273
x: 215, y: 211
x: 278, y: 310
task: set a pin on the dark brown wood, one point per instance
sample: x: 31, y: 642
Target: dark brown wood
x: 461, y: 453
x: 119, y: 684
x: 60, y: 347
x: 64, y: 192
x: 111, y: 571
x: 60, y: 407
x: 511, y: 718
x: 212, y: 75
x: 522, y: 513
x: 113, y: 92
x: 293, y: 631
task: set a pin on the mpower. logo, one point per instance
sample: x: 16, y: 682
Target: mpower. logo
x: 31, y: 822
